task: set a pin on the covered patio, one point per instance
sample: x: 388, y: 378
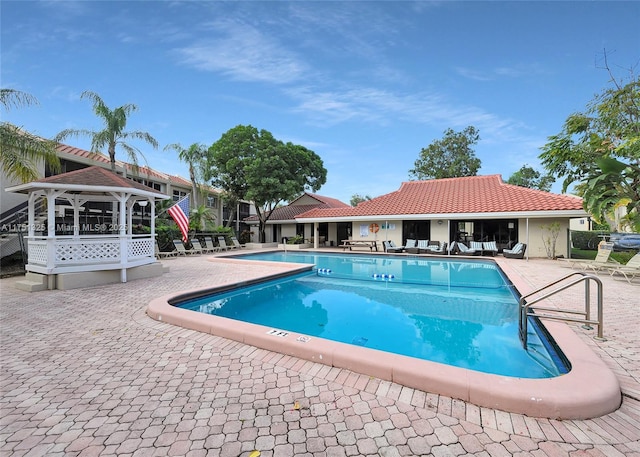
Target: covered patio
x: 79, y: 245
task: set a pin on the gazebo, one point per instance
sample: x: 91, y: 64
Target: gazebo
x: 71, y: 254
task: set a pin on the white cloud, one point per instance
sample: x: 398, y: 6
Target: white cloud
x: 244, y: 53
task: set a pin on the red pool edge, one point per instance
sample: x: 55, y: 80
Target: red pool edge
x: 589, y: 390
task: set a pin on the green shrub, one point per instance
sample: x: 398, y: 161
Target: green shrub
x: 295, y: 240
x: 586, y: 239
x: 165, y: 236
x: 245, y: 237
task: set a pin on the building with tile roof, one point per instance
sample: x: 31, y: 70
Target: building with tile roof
x: 282, y: 224
x: 476, y: 208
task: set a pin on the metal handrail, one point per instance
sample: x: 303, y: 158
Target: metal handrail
x: 526, y: 308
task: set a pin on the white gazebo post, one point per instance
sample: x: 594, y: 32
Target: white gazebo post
x: 76, y: 203
x: 51, y: 227
x: 122, y: 199
x: 153, y: 220
x: 316, y: 235
x: 31, y: 212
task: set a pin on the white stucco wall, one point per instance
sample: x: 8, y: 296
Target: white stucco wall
x: 535, y: 243
x: 392, y: 231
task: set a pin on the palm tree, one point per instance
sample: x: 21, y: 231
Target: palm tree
x: 20, y: 151
x: 113, y: 134
x: 200, y: 215
x: 194, y: 157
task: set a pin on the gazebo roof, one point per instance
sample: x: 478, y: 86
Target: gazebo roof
x: 92, y: 181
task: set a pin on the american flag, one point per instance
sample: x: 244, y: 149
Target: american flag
x: 179, y: 212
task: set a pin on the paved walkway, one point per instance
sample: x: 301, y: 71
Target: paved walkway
x: 87, y: 373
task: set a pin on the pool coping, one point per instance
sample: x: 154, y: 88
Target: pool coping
x: 590, y: 389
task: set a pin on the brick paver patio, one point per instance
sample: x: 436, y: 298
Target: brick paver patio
x: 87, y: 373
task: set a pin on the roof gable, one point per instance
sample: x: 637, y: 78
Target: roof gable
x: 304, y: 203
x: 308, y: 198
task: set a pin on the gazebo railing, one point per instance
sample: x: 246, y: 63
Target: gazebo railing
x: 67, y: 253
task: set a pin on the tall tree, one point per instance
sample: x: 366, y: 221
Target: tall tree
x: 252, y: 165
x: 194, y: 157
x: 20, y: 151
x: 450, y: 157
x: 527, y: 176
x: 113, y: 134
x: 599, y: 150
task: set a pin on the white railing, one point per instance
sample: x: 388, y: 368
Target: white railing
x: 88, y: 252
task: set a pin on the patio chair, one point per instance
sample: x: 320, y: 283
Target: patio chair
x: 184, y: 251
x: 164, y: 254
x: 236, y: 243
x: 452, y: 249
x: 440, y: 248
x: 604, y: 252
x: 463, y: 249
x: 476, y: 246
x: 490, y: 247
x: 419, y: 248
x: 390, y: 246
x: 409, y: 244
x: 629, y: 270
x: 517, y: 252
x: 223, y: 244
x: 211, y: 247
x: 195, y: 243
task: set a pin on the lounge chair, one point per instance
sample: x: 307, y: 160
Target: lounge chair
x: 184, y: 251
x: 421, y: 247
x: 629, y: 270
x: 211, y: 247
x: 517, y: 252
x: 452, y: 249
x: 390, y: 246
x: 440, y: 248
x: 409, y: 244
x: 164, y: 254
x: 236, y: 243
x: 604, y: 252
x: 476, y: 246
x: 463, y: 249
x: 489, y: 247
x: 223, y: 244
x: 195, y: 243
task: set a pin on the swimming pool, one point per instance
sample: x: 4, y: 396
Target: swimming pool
x: 589, y: 389
x: 456, y: 312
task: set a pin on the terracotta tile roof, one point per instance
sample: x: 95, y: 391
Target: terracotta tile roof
x: 475, y: 194
x: 328, y: 201
x: 94, y: 176
x: 144, y: 172
x: 175, y: 179
x: 289, y: 212
x: 97, y: 156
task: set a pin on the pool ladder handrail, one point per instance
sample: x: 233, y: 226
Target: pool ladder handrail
x: 526, y: 308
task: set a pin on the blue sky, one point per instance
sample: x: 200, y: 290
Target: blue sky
x: 366, y: 85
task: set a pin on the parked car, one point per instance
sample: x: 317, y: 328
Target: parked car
x: 625, y: 241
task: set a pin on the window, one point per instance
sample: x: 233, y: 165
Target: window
x: 148, y: 183
x: 178, y: 195
x: 212, y: 202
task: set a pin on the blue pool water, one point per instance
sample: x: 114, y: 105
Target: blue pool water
x: 461, y: 313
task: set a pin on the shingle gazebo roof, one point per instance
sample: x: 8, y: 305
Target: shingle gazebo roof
x: 90, y: 180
